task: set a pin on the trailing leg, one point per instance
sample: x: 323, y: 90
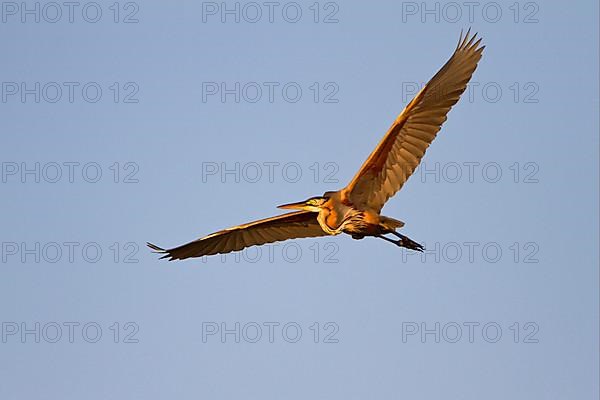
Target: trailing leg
x: 404, y: 242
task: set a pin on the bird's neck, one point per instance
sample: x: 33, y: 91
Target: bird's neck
x: 331, y: 220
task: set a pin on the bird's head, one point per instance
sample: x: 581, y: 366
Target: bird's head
x: 313, y: 204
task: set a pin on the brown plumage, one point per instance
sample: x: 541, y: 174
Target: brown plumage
x: 401, y: 149
x: 297, y: 224
x: 355, y: 210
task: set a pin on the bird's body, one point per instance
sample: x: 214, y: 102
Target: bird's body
x: 356, y: 209
x: 339, y: 215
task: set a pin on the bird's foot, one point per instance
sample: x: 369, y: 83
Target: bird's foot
x: 407, y: 242
x: 404, y: 242
x: 410, y: 244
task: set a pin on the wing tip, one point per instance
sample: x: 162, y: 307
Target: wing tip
x: 159, y: 250
x: 467, y: 42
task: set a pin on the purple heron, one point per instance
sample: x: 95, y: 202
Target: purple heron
x: 355, y: 210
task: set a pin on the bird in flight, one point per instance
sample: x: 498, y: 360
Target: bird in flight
x: 355, y: 209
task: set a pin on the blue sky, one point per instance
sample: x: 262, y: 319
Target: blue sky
x: 131, y: 122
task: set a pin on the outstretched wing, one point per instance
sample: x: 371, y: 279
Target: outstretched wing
x: 398, y: 154
x: 299, y: 224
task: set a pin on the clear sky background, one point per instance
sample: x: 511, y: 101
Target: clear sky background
x: 503, y: 305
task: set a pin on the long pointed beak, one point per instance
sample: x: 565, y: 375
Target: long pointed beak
x: 293, y: 206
